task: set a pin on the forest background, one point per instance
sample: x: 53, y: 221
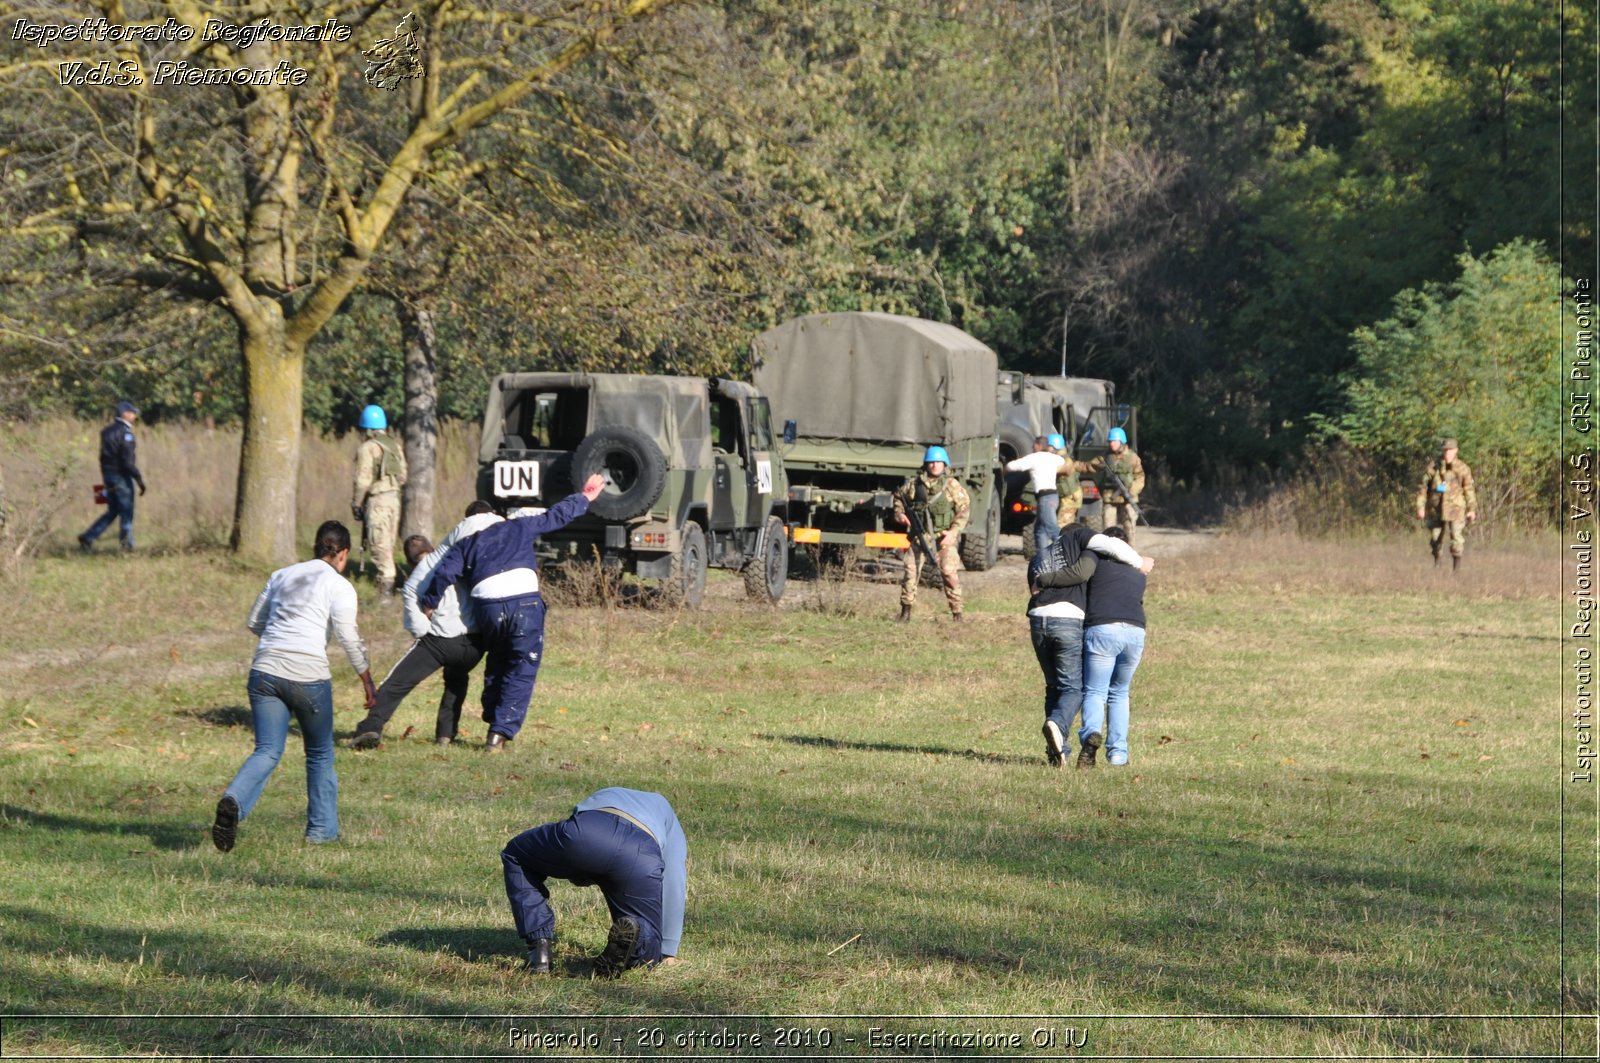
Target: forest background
x: 1306, y: 237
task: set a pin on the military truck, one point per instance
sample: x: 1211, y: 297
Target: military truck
x: 692, y: 475
x: 1024, y: 412
x: 1095, y: 412
x: 860, y: 397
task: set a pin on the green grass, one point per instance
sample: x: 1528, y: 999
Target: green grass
x: 1343, y: 804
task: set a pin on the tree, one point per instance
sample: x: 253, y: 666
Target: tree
x: 267, y: 190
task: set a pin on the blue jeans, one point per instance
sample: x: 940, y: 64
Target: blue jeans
x: 1111, y: 653
x: 1045, y: 530
x: 119, y: 495
x: 272, y: 701
x: 1058, y: 643
x: 513, y: 633
x: 589, y: 849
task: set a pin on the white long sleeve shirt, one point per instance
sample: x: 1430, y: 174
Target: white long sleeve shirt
x: 1041, y: 467
x: 449, y: 618
x: 302, y: 607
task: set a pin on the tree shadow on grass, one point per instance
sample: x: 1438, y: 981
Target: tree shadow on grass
x: 221, y: 716
x: 171, y: 836
x: 824, y: 742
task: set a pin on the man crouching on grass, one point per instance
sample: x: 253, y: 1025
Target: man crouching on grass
x: 628, y: 843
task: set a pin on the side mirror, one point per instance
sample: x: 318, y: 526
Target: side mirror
x: 789, y: 433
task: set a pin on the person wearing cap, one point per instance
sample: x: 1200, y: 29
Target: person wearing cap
x: 1068, y: 487
x: 627, y: 842
x: 943, y: 505
x: 1447, y: 502
x: 380, y: 473
x: 120, y: 472
x: 1043, y: 467
x: 1125, y: 464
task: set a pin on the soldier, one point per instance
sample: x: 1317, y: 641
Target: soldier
x: 942, y: 504
x: 1068, y: 487
x: 380, y: 473
x: 1448, y: 502
x: 120, y: 472
x: 1126, y: 465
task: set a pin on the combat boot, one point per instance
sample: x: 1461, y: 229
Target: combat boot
x: 613, y: 960
x: 1455, y: 563
x: 905, y: 615
x: 958, y: 618
x: 386, y: 588
x: 539, y: 956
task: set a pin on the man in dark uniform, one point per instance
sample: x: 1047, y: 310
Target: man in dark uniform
x: 627, y: 842
x: 499, y: 566
x: 120, y: 472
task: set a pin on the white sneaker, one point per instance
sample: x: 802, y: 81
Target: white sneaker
x: 1054, y: 744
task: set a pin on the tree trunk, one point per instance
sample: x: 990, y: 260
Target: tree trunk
x: 422, y: 419
x: 269, y: 462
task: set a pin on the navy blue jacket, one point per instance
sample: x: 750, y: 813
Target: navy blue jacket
x: 116, y: 452
x: 498, y: 548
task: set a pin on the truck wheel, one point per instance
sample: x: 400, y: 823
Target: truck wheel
x: 1014, y: 442
x: 981, y: 549
x: 632, y: 463
x: 688, y: 580
x: 1029, y: 548
x: 767, y: 572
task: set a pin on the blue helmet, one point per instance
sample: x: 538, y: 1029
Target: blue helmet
x: 372, y: 417
x: 1117, y: 435
x: 936, y: 453
x: 1056, y: 441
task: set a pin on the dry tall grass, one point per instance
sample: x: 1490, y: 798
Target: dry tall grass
x: 192, y: 472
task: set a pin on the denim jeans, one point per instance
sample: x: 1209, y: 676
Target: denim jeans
x: 1058, y: 643
x: 1111, y: 652
x: 272, y: 701
x: 119, y: 495
x: 1045, y: 529
x: 591, y: 848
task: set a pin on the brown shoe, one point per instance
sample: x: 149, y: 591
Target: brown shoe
x: 1086, y: 751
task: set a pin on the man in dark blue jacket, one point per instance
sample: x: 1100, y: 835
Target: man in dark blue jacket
x: 120, y: 472
x: 498, y: 566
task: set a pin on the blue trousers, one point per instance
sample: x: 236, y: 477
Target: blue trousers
x: 273, y: 702
x: 119, y: 495
x: 513, y: 633
x: 1044, y: 520
x: 588, y: 849
x: 1058, y: 644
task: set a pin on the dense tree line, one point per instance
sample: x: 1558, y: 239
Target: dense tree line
x: 1215, y: 204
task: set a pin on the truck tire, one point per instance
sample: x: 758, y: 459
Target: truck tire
x: 1029, y: 547
x: 1014, y: 442
x: 980, y: 549
x: 688, y: 581
x: 766, y: 573
x: 632, y: 463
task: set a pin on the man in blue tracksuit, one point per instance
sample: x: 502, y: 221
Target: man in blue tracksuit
x: 627, y: 842
x: 499, y: 566
x: 120, y: 471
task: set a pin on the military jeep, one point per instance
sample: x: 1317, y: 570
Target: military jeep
x: 692, y: 477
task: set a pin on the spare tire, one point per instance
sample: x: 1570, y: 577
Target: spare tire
x: 634, y: 468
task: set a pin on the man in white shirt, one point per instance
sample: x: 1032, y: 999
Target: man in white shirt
x: 290, y: 678
x: 445, y: 640
x: 1041, y: 466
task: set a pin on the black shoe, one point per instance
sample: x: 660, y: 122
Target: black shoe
x: 1086, y: 751
x: 1054, y: 744
x: 539, y: 956
x: 226, y: 825
x: 905, y: 615
x: 958, y: 618
x: 85, y: 545
x: 443, y: 740
x: 619, y: 946
x: 366, y: 740
x: 494, y: 743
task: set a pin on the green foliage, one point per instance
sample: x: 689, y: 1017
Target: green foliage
x: 1475, y: 358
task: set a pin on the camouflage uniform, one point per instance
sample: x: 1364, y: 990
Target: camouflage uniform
x: 380, y: 473
x: 1126, y: 464
x: 1069, y: 489
x: 948, y: 506
x: 1445, y: 498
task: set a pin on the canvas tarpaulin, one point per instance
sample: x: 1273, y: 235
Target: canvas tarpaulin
x: 670, y: 410
x: 877, y: 377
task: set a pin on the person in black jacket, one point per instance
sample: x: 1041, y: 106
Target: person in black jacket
x: 120, y: 471
x: 1057, y: 583
x: 1113, y: 642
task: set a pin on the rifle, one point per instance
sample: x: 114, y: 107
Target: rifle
x: 917, y: 514
x: 362, y: 571
x: 1116, y: 481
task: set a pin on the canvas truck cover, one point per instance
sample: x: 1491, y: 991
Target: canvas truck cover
x: 877, y: 377
x: 1083, y: 393
x: 670, y: 410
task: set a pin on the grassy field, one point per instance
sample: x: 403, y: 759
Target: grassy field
x: 1341, y: 816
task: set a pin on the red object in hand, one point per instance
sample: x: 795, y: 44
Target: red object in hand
x: 100, y: 498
